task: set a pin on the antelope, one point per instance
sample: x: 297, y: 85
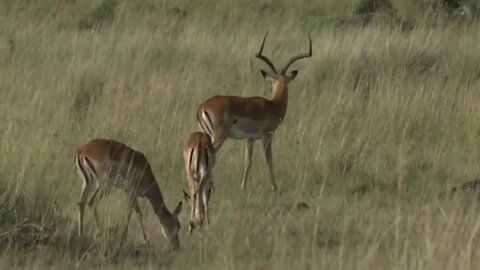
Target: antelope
x: 251, y: 118
x: 129, y: 170
x: 199, y: 157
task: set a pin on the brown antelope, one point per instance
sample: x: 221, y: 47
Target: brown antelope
x: 199, y: 157
x: 250, y: 118
x: 129, y: 170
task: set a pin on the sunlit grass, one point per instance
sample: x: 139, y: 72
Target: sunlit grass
x: 381, y: 122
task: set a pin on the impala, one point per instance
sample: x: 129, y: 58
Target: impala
x: 250, y: 118
x: 199, y: 157
x: 104, y: 164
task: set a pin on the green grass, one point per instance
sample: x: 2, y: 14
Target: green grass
x: 381, y: 121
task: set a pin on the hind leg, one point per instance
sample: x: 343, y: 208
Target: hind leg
x: 88, y: 191
x: 206, y: 197
x: 267, y: 148
x: 190, y: 197
x: 218, y: 139
x: 89, y: 188
x: 81, y: 207
x: 205, y: 206
x: 193, y: 199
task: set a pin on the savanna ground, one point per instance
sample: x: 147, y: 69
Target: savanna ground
x: 382, y: 121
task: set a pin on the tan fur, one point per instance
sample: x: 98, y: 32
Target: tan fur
x: 105, y: 164
x: 250, y: 118
x: 199, y: 158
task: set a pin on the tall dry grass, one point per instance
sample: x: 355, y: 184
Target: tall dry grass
x: 382, y: 122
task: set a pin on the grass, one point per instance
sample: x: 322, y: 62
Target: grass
x: 381, y: 122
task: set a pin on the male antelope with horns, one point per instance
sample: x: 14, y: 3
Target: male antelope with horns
x: 251, y: 118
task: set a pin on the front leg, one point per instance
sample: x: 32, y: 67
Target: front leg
x: 137, y: 209
x: 131, y: 202
x: 92, y: 204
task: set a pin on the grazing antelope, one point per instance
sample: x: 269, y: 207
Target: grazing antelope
x: 129, y: 170
x: 199, y: 157
x: 250, y: 118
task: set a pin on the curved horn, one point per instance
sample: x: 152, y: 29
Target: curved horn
x: 264, y: 58
x: 298, y: 57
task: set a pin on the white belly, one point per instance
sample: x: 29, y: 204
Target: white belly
x: 236, y: 133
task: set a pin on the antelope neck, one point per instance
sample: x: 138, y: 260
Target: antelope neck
x: 154, y: 196
x: 280, y: 95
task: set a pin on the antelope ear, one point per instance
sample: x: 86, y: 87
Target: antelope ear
x: 185, y: 195
x: 178, y: 209
x: 292, y: 74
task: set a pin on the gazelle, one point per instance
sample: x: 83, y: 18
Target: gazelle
x: 199, y: 157
x: 125, y: 168
x: 250, y: 118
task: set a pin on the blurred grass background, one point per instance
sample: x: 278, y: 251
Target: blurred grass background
x: 381, y: 121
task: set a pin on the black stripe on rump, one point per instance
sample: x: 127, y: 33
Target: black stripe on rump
x: 82, y: 170
x: 90, y: 166
x: 210, y: 131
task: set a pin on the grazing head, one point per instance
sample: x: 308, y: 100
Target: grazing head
x: 171, y: 227
x: 282, y: 77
